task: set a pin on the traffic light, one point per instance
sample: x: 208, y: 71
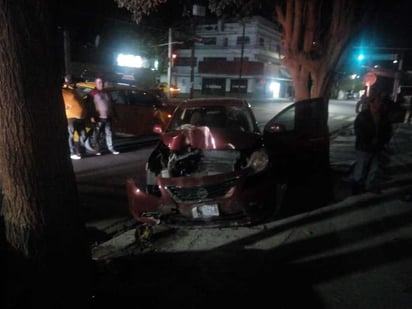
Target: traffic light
x: 174, y: 56
x: 360, y: 57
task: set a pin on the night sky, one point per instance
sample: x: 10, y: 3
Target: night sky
x: 392, y: 26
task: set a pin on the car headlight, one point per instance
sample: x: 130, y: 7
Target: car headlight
x: 259, y: 160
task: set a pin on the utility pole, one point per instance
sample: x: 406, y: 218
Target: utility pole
x: 169, y: 67
x: 192, y: 69
x: 242, y: 50
x: 169, y: 59
x: 67, y: 66
x: 197, y: 11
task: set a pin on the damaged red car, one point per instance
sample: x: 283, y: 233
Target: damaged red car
x: 210, y: 167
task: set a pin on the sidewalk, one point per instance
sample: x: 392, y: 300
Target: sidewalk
x: 398, y: 170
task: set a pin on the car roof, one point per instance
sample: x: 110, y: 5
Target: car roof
x: 85, y: 84
x: 113, y: 87
x: 215, y: 101
x: 92, y: 85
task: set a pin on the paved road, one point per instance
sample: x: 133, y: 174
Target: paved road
x: 341, y: 112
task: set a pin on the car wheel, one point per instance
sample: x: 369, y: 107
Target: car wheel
x: 272, y: 209
x: 276, y: 202
x: 280, y: 193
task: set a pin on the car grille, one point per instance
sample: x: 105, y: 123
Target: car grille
x: 201, y: 193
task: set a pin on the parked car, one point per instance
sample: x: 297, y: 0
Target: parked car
x: 210, y: 166
x: 213, y: 165
x: 137, y: 111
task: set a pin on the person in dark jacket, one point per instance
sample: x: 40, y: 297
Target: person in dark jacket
x: 373, y: 131
x: 361, y: 104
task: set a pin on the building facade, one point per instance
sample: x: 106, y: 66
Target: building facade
x: 233, y: 58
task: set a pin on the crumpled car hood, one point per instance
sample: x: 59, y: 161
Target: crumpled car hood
x: 206, y: 138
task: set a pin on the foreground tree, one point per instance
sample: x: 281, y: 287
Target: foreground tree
x: 315, y: 34
x: 46, y: 256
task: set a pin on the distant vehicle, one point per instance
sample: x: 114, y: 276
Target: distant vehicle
x: 137, y: 111
x: 213, y: 165
x: 174, y: 90
x: 351, y: 95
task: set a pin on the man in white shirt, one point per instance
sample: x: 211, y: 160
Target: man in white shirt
x: 103, y: 105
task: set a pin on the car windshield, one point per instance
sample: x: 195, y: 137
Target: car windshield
x: 214, y: 117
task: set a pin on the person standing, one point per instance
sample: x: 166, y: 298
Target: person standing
x: 361, y: 104
x: 76, y: 123
x: 104, y: 109
x: 408, y: 115
x: 373, y: 130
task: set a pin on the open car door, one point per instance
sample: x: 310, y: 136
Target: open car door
x: 297, y: 139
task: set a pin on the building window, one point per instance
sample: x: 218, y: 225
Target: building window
x: 240, y: 39
x: 225, y: 42
x: 185, y: 61
x: 214, y: 59
x: 261, y: 42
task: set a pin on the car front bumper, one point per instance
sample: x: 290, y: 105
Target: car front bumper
x: 234, y: 198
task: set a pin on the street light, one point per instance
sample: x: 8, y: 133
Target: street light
x: 393, y: 54
x: 169, y: 57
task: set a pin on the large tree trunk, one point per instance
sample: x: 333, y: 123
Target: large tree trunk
x: 315, y: 33
x: 42, y: 219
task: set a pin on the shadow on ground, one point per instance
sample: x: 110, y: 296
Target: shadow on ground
x: 204, y: 279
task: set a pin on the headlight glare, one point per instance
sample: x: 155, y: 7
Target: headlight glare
x: 259, y: 160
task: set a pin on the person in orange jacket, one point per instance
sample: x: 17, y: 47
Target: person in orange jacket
x: 76, y: 119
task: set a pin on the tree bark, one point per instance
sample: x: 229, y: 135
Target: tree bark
x: 42, y: 218
x: 315, y: 33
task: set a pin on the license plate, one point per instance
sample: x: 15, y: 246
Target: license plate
x: 205, y: 211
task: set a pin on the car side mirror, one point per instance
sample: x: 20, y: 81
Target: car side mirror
x: 157, y: 129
